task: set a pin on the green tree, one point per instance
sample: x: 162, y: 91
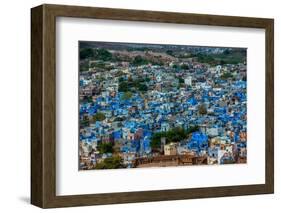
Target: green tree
x: 123, y: 87
x: 138, y: 60
x: 110, y: 163
x: 126, y: 95
x: 204, y: 58
x: 175, y: 66
x: 226, y: 75
x: 86, y: 53
x: 98, y: 54
x: 202, y: 109
x: 181, y: 80
x: 121, y: 79
x: 184, y: 66
x: 84, y: 123
x: 226, y: 52
x: 98, y: 117
x: 173, y: 135
x: 147, y: 79
x: 103, y: 54
x: 105, y: 148
x: 156, y: 140
x: 142, y: 87
x: 84, y: 65
x: 170, y: 52
x: 192, y: 129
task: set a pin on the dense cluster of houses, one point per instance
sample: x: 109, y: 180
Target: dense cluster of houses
x: 123, y: 105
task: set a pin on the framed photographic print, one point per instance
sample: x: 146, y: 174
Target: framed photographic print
x: 136, y: 106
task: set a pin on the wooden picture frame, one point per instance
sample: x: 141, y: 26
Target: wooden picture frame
x: 43, y: 105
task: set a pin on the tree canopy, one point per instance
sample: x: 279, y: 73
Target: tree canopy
x: 95, y: 53
x: 126, y: 95
x: 173, y: 135
x: 202, y: 109
x: 98, y: 117
x: 105, y: 148
x: 110, y: 163
x: 132, y: 85
x: 138, y: 60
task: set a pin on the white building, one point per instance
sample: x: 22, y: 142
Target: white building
x: 170, y: 149
x: 188, y: 81
x: 165, y: 127
x: 213, y: 132
x: 218, y: 70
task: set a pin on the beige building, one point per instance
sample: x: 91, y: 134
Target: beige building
x: 170, y: 149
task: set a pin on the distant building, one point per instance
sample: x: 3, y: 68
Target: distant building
x: 213, y: 132
x: 163, y: 143
x: 218, y: 69
x: 170, y: 149
x: 188, y: 81
x: 158, y: 78
x: 165, y: 127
